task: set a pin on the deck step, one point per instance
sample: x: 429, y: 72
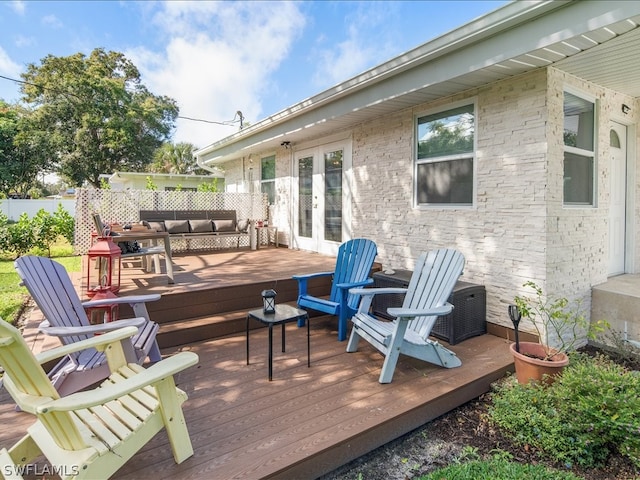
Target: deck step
x: 197, y: 329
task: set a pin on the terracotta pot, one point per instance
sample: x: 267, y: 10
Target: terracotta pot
x: 530, y: 366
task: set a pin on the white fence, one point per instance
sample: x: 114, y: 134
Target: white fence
x: 118, y: 206
x: 13, y: 208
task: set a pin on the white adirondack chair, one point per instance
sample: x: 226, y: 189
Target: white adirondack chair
x: 431, y: 284
x: 51, y: 288
x: 91, y: 434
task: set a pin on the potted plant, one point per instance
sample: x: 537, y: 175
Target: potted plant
x: 559, y: 324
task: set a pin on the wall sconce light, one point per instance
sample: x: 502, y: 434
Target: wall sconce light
x: 625, y: 108
x: 269, y: 301
x: 286, y: 145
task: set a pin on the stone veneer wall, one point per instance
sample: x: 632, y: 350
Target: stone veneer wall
x: 518, y: 230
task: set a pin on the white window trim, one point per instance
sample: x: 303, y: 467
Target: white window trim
x: 579, y: 151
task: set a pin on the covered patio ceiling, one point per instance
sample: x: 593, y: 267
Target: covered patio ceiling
x: 595, y: 41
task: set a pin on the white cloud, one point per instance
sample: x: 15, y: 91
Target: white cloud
x: 9, y: 68
x: 367, y: 43
x: 23, y: 41
x: 18, y: 6
x: 51, y: 21
x: 218, y: 59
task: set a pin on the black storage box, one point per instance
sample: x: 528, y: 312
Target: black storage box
x: 469, y: 315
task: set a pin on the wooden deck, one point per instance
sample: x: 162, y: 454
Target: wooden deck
x: 307, y: 421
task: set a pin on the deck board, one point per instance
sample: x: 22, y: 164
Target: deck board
x: 307, y: 421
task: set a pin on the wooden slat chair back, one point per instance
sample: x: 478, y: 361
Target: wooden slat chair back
x: 353, y: 269
x: 426, y: 298
x: 65, y: 316
x: 91, y: 434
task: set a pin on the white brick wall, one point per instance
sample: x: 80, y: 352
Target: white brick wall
x: 518, y: 229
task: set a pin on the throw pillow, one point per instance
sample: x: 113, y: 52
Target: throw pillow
x: 157, y: 226
x: 177, y: 226
x: 243, y: 225
x: 200, y: 226
x: 224, y: 225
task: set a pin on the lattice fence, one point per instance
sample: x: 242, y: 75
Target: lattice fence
x: 124, y: 207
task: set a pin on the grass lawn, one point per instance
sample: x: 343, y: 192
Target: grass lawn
x: 13, y: 297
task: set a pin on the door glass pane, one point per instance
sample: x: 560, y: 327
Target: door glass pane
x: 333, y: 196
x: 305, y: 197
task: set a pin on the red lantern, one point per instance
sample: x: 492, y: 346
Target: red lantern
x: 104, y: 313
x: 105, y: 275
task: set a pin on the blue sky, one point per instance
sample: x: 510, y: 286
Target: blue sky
x: 215, y: 58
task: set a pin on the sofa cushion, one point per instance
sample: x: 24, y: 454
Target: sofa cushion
x: 153, y: 225
x: 177, y: 226
x: 200, y: 226
x: 224, y: 225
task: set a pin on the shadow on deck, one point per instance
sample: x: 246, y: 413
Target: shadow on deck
x: 307, y: 421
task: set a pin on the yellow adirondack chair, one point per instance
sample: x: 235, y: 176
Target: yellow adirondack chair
x: 91, y: 434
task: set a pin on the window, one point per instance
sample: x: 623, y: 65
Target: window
x: 579, y: 156
x: 445, y: 154
x: 268, y: 178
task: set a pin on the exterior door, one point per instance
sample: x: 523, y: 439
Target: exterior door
x: 618, y: 203
x: 320, y: 217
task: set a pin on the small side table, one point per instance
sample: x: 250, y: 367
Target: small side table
x: 284, y: 314
x: 269, y: 231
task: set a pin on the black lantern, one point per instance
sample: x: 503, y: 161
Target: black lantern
x: 269, y: 301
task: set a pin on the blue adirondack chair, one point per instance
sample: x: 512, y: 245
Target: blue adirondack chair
x: 426, y: 298
x: 353, y: 267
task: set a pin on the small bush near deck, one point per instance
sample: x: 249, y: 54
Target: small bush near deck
x: 497, y: 467
x: 589, y: 412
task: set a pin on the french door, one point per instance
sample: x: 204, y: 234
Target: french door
x: 322, y: 204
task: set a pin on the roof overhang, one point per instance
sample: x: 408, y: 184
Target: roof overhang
x: 118, y: 177
x: 594, y: 40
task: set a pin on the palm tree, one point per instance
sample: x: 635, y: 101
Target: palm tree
x: 174, y: 158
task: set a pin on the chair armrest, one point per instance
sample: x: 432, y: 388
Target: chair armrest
x: 367, y: 295
x: 369, y: 292
x: 107, y: 338
x: 131, y: 299
x: 345, y: 286
x: 406, y: 313
x: 110, y: 391
x: 312, y: 275
x: 45, y: 327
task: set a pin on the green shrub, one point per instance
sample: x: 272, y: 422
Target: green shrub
x: 65, y: 224
x: 45, y: 231
x: 590, y: 411
x: 17, y: 238
x: 498, y: 467
x: 39, y: 232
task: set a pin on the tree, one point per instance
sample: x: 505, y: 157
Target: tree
x: 24, y: 151
x: 99, y: 115
x: 175, y: 158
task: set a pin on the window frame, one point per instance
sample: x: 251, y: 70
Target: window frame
x: 266, y: 181
x: 581, y: 152
x: 471, y: 102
